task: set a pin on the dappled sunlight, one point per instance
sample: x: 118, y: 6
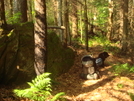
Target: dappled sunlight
x: 107, y: 88
x: 89, y: 83
x: 108, y: 92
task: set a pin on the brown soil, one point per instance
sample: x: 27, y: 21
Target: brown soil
x: 107, y: 88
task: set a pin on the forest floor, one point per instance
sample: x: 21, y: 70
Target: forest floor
x: 107, y: 88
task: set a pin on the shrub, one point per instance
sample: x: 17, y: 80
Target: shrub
x: 40, y: 89
x: 123, y: 69
x: 131, y: 96
x: 15, y: 19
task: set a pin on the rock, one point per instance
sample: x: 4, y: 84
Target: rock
x: 17, y: 56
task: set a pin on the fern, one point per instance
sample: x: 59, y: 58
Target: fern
x: 40, y: 89
x: 123, y: 69
x: 57, y: 96
x: 131, y: 96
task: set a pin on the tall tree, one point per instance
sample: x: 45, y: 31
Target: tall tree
x: 23, y: 9
x: 20, y: 10
x: 16, y: 10
x: 74, y: 18
x: 86, y: 24
x: 80, y: 22
x: 59, y: 18
x: 110, y: 20
x: 8, y: 8
x: 2, y: 15
x: 40, y: 36
x: 67, y: 37
x: 55, y: 11
x: 125, y: 25
x: 30, y: 8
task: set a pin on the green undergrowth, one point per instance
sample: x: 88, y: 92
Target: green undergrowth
x: 122, y: 69
x: 20, y: 48
x: 105, y: 43
x: 101, y: 40
x: 59, y: 58
x: 39, y: 90
x: 131, y: 96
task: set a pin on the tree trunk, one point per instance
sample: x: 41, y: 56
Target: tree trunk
x: 59, y: 19
x: 8, y: 8
x: 86, y: 25
x: 30, y: 6
x: 74, y: 19
x: 125, y: 25
x: 23, y: 8
x: 55, y: 11
x: 20, y: 10
x: 67, y: 37
x: 40, y: 37
x: 110, y: 20
x: 16, y: 11
x: 2, y: 15
x: 81, y: 28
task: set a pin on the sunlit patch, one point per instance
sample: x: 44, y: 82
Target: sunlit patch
x: 89, y: 96
x: 11, y: 32
x: 107, y: 88
x: 18, y: 67
x: 89, y: 83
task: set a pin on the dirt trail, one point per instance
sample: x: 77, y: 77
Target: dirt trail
x: 107, y: 88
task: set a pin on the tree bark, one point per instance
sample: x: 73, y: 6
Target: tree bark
x: 23, y: 10
x: 9, y: 8
x: 86, y: 25
x: 74, y: 19
x: 55, y: 11
x: 40, y: 37
x: 125, y: 25
x: 30, y: 6
x: 110, y: 20
x: 16, y: 11
x: 67, y: 37
x: 59, y: 18
x: 2, y: 15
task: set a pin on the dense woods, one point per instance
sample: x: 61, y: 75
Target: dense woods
x: 38, y: 36
x: 108, y: 18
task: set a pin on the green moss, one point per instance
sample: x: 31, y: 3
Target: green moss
x: 60, y: 59
x: 19, y: 49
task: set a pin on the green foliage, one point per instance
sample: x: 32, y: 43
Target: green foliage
x: 15, y: 19
x: 102, y: 17
x: 40, y: 89
x: 112, y: 48
x: 119, y: 85
x: 102, y: 11
x: 58, y: 57
x: 77, y: 41
x: 131, y: 96
x: 99, y: 40
x: 105, y: 43
x: 123, y: 69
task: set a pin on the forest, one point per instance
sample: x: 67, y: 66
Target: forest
x: 66, y: 50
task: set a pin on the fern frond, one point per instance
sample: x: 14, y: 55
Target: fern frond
x: 57, y: 96
x: 40, y: 89
x: 31, y: 84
